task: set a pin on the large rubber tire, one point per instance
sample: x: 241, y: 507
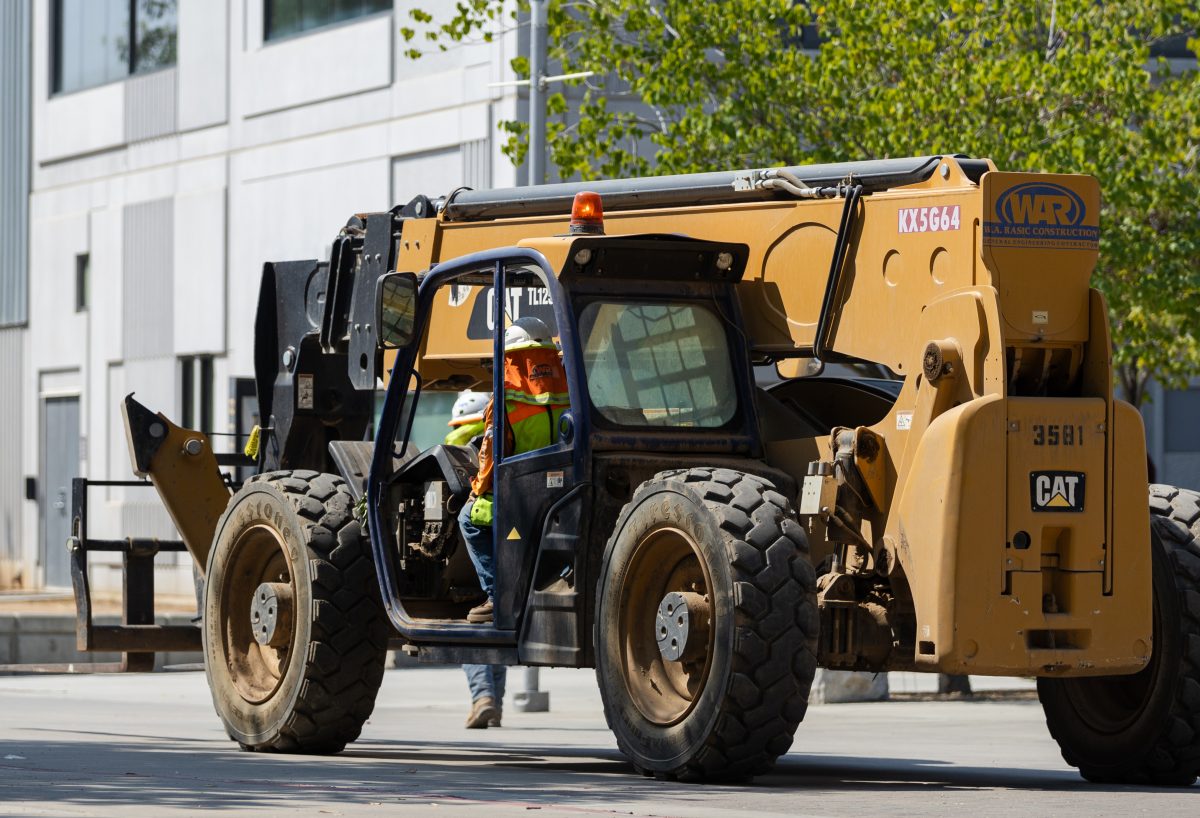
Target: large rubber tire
x: 313, y: 693
x: 1145, y: 728
x: 761, y: 642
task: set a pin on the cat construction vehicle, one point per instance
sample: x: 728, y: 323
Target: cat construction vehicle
x: 855, y: 416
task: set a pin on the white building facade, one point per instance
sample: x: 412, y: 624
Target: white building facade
x: 160, y: 177
x: 153, y: 154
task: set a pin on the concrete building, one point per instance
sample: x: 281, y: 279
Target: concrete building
x: 142, y: 189
x: 153, y: 154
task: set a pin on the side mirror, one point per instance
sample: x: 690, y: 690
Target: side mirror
x: 396, y: 309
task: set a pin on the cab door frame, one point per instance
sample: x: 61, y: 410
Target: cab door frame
x: 395, y: 399
x: 528, y: 485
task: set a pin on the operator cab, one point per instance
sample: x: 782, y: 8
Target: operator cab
x: 432, y: 481
x: 648, y: 329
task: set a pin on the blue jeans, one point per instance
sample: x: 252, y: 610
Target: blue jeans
x: 481, y: 548
x: 486, y: 680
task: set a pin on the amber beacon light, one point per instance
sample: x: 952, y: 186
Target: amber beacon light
x: 587, y: 214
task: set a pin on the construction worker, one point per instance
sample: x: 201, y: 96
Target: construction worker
x: 466, y: 422
x: 466, y: 417
x: 535, y: 392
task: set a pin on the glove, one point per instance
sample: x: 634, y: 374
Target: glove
x: 481, y: 511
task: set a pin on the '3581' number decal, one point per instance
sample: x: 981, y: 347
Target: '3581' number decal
x: 1057, y: 434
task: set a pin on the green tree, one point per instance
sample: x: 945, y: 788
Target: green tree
x: 1065, y: 87
x: 1056, y: 86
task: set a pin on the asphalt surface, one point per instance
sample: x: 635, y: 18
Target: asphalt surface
x: 150, y: 745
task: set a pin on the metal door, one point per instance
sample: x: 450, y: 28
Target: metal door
x: 60, y: 463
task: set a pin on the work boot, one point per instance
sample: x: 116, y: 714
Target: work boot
x: 483, y: 711
x: 480, y: 613
x: 494, y: 721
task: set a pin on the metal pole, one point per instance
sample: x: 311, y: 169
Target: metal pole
x: 532, y: 700
x: 537, y: 85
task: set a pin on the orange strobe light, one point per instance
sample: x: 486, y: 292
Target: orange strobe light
x: 587, y: 214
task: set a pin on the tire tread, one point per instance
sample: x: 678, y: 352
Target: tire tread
x: 344, y: 661
x: 1174, y: 760
x: 775, y: 641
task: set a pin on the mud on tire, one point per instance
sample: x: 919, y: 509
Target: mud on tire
x: 314, y: 691
x: 751, y: 557
x: 1145, y: 728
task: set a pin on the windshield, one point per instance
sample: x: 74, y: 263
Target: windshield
x: 664, y: 364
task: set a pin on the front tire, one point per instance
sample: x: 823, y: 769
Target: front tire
x: 706, y: 626
x: 1144, y: 728
x: 295, y: 635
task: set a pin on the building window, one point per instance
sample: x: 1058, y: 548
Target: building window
x: 83, y: 269
x: 14, y: 161
x: 196, y: 392
x: 100, y: 41
x: 283, y: 18
x: 1181, y: 416
x: 1174, y: 46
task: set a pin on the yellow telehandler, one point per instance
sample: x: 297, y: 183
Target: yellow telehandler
x: 857, y: 416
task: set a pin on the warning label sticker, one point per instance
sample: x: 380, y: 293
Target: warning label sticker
x: 304, y: 391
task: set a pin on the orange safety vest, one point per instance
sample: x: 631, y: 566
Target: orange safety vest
x: 535, y: 392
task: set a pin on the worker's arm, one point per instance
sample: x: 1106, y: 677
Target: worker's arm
x: 482, y: 483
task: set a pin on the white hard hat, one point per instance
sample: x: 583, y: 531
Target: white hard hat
x: 528, y: 333
x: 469, y: 407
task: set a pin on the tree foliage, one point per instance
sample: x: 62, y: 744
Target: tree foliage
x: 1057, y: 86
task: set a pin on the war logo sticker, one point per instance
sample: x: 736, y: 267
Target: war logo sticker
x: 1056, y: 490
x: 1043, y: 215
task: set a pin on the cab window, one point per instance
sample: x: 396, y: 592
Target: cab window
x: 657, y: 364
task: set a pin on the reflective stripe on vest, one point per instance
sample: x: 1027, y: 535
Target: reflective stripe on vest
x: 534, y: 426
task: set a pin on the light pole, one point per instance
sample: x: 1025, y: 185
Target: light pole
x: 538, y: 82
x: 531, y: 699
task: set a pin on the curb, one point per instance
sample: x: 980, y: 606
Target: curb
x: 49, y: 639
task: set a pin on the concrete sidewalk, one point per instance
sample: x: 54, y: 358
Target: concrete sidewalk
x: 39, y: 628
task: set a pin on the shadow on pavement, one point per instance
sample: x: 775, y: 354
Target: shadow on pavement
x: 195, y: 775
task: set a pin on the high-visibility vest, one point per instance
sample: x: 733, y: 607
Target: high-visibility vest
x: 461, y: 435
x: 535, y: 392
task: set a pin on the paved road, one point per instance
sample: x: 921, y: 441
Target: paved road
x: 150, y: 746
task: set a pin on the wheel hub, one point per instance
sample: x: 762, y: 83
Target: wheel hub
x: 271, y: 614
x: 681, y: 626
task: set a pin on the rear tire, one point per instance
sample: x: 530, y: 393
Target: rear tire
x: 312, y: 688
x: 729, y: 707
x: 1145, y: 728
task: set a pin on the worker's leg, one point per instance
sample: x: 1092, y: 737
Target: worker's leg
x: 481, y: 681
x: 479, y: 546
x: 485, y: 699
x: 499, y: 678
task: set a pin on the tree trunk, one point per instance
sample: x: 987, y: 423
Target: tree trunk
x: 1132, y: 382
